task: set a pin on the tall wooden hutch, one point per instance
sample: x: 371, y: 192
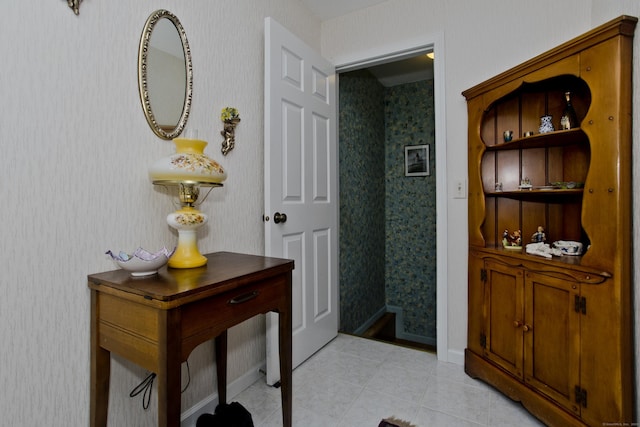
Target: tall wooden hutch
x: 555, y: 333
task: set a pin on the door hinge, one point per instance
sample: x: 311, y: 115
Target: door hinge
x: 483, y: 274
x: 581, y: 396
x: 580, y: 304
x: 483, y: 340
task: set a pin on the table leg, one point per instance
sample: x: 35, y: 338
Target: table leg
x: 100, y: 372
x: 285, y: 365
x: 221, y: 366
x: 169, y: 373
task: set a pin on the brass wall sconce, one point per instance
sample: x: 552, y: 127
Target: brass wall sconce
x: 230, y: 117
x: 74, y: 5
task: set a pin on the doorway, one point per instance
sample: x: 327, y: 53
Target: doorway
x: 388, y: 213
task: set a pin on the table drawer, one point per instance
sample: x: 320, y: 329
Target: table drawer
x: 137, y: 319
x: 206, y: 319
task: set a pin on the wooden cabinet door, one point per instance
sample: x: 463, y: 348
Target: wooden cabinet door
x: 602, y: 375
x: 552, y: 338
x: 475, y: 330
x: 504, y: 303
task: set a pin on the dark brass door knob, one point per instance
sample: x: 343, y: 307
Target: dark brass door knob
x: 279, y: 217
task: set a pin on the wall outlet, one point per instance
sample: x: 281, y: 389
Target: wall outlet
x: 460, y: 189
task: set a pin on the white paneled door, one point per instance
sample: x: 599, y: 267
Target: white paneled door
x: 301, y: 203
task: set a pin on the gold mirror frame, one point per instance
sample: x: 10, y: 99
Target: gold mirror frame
x: 163, y: 131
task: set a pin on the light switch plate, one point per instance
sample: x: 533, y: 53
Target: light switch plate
x: 460, y: 189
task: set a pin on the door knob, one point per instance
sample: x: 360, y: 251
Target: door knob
x: 279, y: 217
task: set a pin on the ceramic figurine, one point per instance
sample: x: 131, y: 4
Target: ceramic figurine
x: 512, y: 241
x: 539, y: 236
x: 516, y: 238
x: 545, y: 124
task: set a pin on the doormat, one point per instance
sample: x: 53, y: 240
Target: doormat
x: 395, y: 422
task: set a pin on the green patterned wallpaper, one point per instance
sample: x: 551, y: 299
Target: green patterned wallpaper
x: 410, y: 205
x: 362, y: 183
x: 387, y: 255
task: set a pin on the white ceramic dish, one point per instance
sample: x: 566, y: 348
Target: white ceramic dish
x: 141, y: 262
x: 568, y: 247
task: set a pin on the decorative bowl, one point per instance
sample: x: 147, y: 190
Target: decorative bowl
x: 568, y: 247
x: 141, y: 262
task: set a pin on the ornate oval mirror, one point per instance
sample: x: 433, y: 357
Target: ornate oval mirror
x: 165, y: 77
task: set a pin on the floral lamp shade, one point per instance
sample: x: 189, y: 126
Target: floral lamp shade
x: 188, y: 163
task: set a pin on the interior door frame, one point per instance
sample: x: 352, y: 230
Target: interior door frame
x: 384, y: 54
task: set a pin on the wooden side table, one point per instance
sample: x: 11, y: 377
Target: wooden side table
x: 156, y: 321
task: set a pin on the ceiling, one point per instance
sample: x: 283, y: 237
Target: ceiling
x: 391, y: 74
x: 327, y: 9
x: 408, y: 70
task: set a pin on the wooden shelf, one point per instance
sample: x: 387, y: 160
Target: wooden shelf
x: 552, y: 139
x: 539, y: 195
x: 567, y: 264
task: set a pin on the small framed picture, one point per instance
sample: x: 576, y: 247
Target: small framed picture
x: 416, y: 160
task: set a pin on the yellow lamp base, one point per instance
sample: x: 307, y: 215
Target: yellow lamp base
x: 187, y: 220
x: 187, y: 254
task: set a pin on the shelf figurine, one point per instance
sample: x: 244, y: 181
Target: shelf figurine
x: 525, y: 184
x: 512, y: 241
x: 539, y: 236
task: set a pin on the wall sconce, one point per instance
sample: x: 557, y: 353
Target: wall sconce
x: 230, y: 117
x: 188, y: 170
x: 74, y: 5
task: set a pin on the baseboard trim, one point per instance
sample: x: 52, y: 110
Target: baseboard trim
x: 208, y: 405
x: 416, y: 338
x: 455, y: 356
x: 401, y: 334
x: 369, y: 323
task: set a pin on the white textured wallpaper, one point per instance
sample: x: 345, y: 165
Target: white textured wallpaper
x: 75, y: 149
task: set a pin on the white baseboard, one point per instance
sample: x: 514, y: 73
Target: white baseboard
x: 455, y: 356
x: 208, y: 405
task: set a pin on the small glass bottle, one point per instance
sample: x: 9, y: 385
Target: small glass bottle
x: 569, y: 120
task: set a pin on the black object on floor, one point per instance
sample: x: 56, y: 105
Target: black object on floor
x: 226, y: 415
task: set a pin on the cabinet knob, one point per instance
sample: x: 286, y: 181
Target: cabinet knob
x: 526, y: 328
x: 517, y: 323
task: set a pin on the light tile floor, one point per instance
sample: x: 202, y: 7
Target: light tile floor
x: 356, y: 382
